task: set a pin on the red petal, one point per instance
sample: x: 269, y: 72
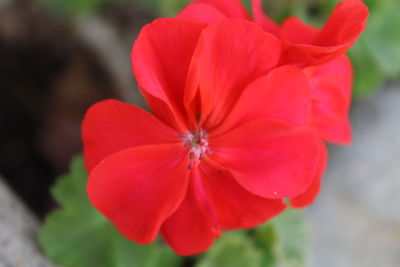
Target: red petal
x: 267, y: 157
x: 160, y: 59
x: 110, y: 126
x: 229, y: 56
x: 331, y: 92
x: 342, y: 29
x: 138, y: 188
x: 199, y: 12
x: 231, y: 8
x: 234, y: 206
x: 283, y: 94
x: 295, y: 31
x: 192, y: 228
x: 344, y: 25
x: 262, y: 20
x: 309, y: 196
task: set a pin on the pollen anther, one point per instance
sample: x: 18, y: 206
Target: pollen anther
x: 197, y: 142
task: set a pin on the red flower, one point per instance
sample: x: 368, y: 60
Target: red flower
x: 308, y: 45
x: 303, y: 44
x: 331, y: 94
x: 225, y: 145
x: 320, y: 53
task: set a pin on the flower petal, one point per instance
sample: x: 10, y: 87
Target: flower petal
x: 230, y: 55
x: 192, y: 228
x: 344, y: 25
x: 200, y: 12
x: 263, y: 20
x: 339, y: 33
x: 138, y: 188
x: 298, y: 32
x: 331, y: 85
x: 309, y: 196
x: 160, y: 59
x: 110, y: 126
x: 234, y: 206
x: 284, y: 94
x: 268, y: 158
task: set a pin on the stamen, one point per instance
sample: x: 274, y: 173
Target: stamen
x: 197, y: 142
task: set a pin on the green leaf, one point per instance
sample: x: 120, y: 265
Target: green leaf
x: 234, y: 249
x: 281, y: 242
x: 266, y: 238
x: 376, y: 56
x: 79, y: 236
x: 367, y: 74
x: 284, y: 240
x: 383, y: 36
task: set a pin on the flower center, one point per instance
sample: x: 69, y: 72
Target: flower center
x: 197, y: 142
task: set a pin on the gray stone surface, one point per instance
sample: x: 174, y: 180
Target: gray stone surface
x: 18, y: 227
x: 4, y: 3
x: 356, y: 219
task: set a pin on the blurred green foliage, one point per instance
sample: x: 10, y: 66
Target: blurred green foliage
x: 234, y: 249
x: 77, y: 235
x: 72, y: 7
x: 165, y: 8
x: 283, y: 242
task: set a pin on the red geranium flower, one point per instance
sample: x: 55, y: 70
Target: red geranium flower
x: 303, y: 44
x: 320, y: 54
x: 225, y: 145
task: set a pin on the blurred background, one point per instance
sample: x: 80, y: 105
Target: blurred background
x: 57, y: 57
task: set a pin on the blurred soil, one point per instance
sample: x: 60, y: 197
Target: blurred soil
x: 51, y: 70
